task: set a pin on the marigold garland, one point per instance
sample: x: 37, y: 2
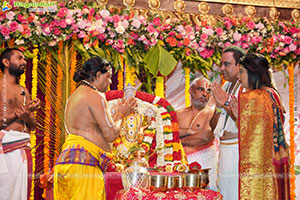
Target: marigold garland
x: 47, y: 117
x: 187, y: 87
x: 73, y: 66
x: 34, y: 96
x: 58, y: 102
x: 292, y: 133
x: 120, y: 80
x: 129, y: 75
x: 120, y: 74
x: 159, y: 87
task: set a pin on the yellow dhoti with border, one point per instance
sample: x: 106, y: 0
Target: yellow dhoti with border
x: 78, y: 173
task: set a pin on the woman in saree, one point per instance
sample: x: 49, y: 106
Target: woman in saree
x: 264, y: 153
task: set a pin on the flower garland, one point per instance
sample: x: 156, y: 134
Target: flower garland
x: 120, y: 74
x: 292, y: 126
x: 58, y: 102
x: 187, y: 87
x: 159, y: 87
x: 34, y: 96
x: 167, y: 122
x: 47, y: 119
x: 22, y: 80
x: 73, y: 64
x: 130, y: 75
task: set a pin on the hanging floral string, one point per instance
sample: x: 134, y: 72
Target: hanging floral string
x: 187, y: 87
x: 292, y: 133
x: 159, y: 87
x: 34, y: 96
x: 127, y: 75
x: 120, y: 74
x: 47, y: 117
x: 73, y: 64
x: 58, y: 102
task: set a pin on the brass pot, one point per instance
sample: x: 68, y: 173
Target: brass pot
x: 191, y: 180
x: 158, y: 182
x: 172, y: 182
x: 204, y: 177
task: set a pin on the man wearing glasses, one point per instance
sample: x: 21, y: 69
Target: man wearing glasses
x: 196, y: 129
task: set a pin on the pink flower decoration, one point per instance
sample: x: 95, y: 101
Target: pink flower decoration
x: 70, y: 20
x: 110, y: 41
x: 255, y: 39
x: 56, y: 32
x: 191, y: 36
x: 188, y: 29
x: 251, y: 25
x: 82, y: 24
x: 227, y: 44
x: 287, y: 40
x: 20, y: 28
x: 21, y: 19
x: 260, y: 26
x: 136, y: 23
x: 104, y: 13
x: 5, y: 31
x: 237, y: 36
x: 294, y: 30
x: 10, y: 15
x: 85, y: 11
x: 156, y: 21
x: 13, y: 26
x: 219, y: 31
x: 292, y: 47
x: 204, y: 36
x: 297, y: 51
x: 245, y: 45
x: 208, y: 31
x: 62, y: 12
x: 116, y: 18
x: 172, y: 33
x: 74, y: 27
x: 134, y: 35
x: 150, y: 28
x: 102, y: 37
x: 62, y: 23
x: 81, y: 34
x: 47, y: 30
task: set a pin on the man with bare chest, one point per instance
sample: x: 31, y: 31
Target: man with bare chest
x: 91, y: 128
x: 196, y: 129
x: 16, y: 121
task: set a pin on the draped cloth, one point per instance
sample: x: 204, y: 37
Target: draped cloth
x: 15, y: 165
x: 78, y: 173
x: 263, y: 158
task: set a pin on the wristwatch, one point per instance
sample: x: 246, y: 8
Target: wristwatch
x: 227, y: 103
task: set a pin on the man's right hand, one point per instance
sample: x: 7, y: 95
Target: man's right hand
x: 219, y: 94
x: 126, y: 106
x: 22, y: 113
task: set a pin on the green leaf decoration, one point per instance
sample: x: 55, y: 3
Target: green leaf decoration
x: 28, y: 54
x: 159, y: 60
x: 297, y: 169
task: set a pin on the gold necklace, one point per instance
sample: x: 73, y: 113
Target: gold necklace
x: 84, y: 82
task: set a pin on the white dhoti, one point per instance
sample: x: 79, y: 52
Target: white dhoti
x: 14, y: 157
x: 207, y: 158
x: 228, y: 176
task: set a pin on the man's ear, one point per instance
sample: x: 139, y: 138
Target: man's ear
x: 5, y: 61
x: 98, y: 74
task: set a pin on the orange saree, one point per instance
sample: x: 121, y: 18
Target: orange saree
x: 264, y: 161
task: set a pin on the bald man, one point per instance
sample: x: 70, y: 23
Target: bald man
x: 196, y: 125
